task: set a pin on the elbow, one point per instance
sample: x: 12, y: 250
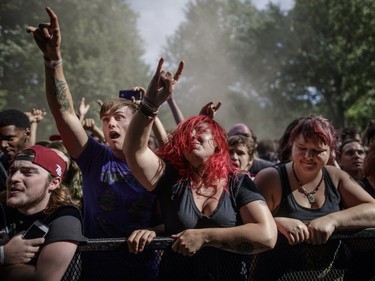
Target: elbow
x: 269, y: 238
x: 266, y: 241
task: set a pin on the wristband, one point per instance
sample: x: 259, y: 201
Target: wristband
x: 149, y: 103
x: 52, y: 63
x: 148, y: 111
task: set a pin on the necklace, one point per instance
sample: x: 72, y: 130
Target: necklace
x: 308, y: 195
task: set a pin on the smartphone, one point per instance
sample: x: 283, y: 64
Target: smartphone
x: 128, y: 94
x: 36, y: 230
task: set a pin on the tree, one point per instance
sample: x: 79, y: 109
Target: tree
x: 101, y: 51
x: 339, y: 54
x: 205, y: 42
x: 272, y: 66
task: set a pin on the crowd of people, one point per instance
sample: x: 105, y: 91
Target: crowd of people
x: 223, y: 196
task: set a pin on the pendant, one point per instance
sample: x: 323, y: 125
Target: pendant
x: 311, y: 198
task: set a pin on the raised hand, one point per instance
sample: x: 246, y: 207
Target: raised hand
x: 48, y: 37
x: 83, y: 108
x: 36, y: 115
x: 162, y: 84
x: 210, y: 109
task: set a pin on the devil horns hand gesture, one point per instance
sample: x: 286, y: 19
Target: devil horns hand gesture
x: 162, y: 84
x: 48, y: 37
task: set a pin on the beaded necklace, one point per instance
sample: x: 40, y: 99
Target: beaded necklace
x: 308, y: 195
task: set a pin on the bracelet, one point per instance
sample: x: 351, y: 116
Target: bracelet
x: 2, y: 255
x: 147, y: 111
x: 149, y: 103
x: 52, y: 63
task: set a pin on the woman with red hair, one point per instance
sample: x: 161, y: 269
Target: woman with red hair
x: 216, y: 216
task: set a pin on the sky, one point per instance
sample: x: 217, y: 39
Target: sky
x: 159, y: 19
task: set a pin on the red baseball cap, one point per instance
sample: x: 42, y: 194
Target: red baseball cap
x: 45, y: 158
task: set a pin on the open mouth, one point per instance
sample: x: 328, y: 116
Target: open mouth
x: 114, y: 135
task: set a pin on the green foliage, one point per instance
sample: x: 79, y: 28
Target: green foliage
x: 101, y: 51
x: 272, y: 66
x: 267, y: 67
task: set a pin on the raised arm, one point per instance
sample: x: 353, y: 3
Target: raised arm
x: 48, y: 39
x: 176, y: 111
x: 145, y: 165
x: 35, y: 116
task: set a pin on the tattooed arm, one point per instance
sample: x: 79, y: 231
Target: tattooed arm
x: 48, y: 39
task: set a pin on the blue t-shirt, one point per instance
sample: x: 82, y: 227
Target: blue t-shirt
x: 114, y: 203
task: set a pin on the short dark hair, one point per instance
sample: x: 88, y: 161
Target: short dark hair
x: 14, y: 117
x: 345, y: 142
x: 249, y: 143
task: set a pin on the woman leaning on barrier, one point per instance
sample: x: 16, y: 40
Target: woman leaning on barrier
x: 310, y: 199
x: 214, y: 215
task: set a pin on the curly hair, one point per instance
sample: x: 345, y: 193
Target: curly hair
x: 61, y: 196
x: 14, y: 117
x: 216, y: 168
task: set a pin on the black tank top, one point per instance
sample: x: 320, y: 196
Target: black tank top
x: 291, y: 209
x: 364, y: 182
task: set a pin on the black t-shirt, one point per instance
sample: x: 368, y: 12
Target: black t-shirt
x: 258, y: 165
x: 180, y: 213
x: 65, y: 223
x: 364, y: 182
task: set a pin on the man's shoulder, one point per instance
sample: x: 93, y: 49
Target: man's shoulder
x: 259, y: 164
x: 65, y: 210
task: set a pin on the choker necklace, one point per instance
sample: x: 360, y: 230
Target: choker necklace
x: 308, y: 195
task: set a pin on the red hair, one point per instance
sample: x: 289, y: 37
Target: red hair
x: 216, y: 168
x: 315, y: 128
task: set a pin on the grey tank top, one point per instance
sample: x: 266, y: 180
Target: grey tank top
x: 289, y: 207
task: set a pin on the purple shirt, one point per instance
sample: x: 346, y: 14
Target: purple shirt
x: 114, y: 203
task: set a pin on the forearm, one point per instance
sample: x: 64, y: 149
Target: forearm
x: 33, y: 130
x: 244, y: 239
x: 58, y: 95
x: 19, y: 272
x: 361, y: 216
x: 159, y: 131
x: 177, y: 114
x: 96, y: 132
x: 144, y: 164
x: 138, y: 133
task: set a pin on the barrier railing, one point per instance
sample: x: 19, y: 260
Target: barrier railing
x: 348, y: 255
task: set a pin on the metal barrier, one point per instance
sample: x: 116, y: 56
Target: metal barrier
x: 348, y: 255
